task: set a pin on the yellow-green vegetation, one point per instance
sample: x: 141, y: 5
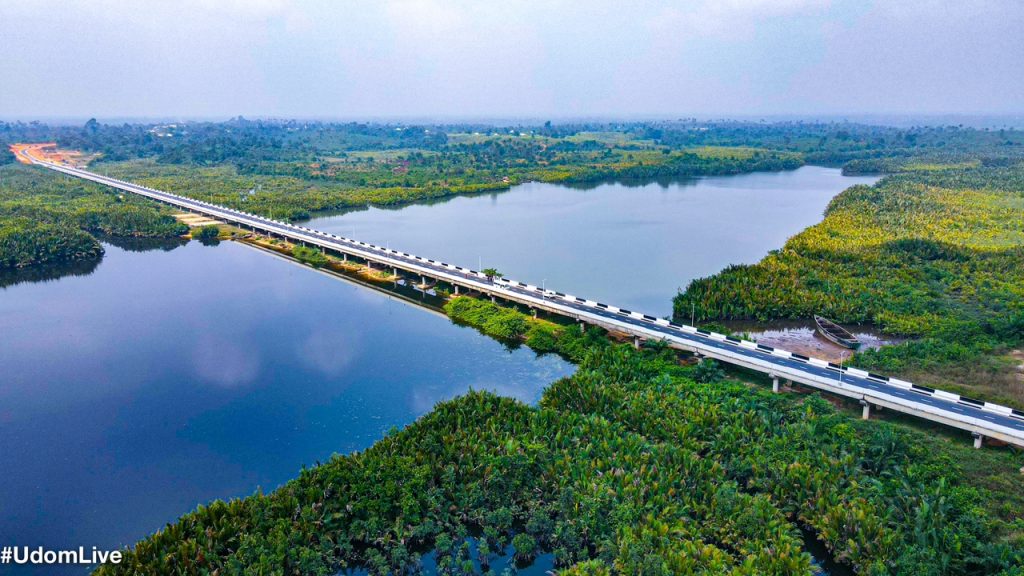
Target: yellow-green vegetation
x: 936, y: 255
x: 512, y: 325
x: 311, y: 256
x: 630, y: 466
x: 48, y: 218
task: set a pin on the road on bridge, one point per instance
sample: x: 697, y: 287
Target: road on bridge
x: 983, y: 419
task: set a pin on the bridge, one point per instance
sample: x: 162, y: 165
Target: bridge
x: 981, y: 419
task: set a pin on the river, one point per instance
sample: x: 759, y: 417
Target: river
x: 630, y: 245
x: 134, y: 390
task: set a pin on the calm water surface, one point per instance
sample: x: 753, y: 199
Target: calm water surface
x: 166, y: 379
x: 630, y: 246
x: 134, y: 390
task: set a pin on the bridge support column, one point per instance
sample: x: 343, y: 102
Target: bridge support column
x: 636, y: 342
x: 775, y: 384
x: 866, y: 412
x: 583, y: 327
x: 456, y: 289
x: 492, y: 298
x: 979, y: 440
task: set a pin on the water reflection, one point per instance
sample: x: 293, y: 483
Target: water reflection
x: 47, y: 273
x: 802, y: 337
x: 632, y: 244
x: 166, y: 379
x: 132, y: 244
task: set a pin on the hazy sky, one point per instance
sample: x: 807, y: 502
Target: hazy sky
x: 489, y: 58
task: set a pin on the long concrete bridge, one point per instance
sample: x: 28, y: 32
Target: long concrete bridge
x: 981, y: 419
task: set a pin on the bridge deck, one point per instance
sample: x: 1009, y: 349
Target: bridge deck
x: 979, y: 418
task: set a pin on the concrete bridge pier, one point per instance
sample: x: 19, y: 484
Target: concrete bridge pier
x: 492, y: 298
x: 456, y: 289
x: 866, y: 412
x: 636, y: 342
x: 583, y: 326
x: 775, y: 383
x: 979, y: 440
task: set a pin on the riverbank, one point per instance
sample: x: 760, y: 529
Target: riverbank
x: 933, y: 256
x: 46, y: 219
x: 295, y: 191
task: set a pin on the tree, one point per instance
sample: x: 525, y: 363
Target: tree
x: 492, y: 273
x: 209, y: 232
x: 525, y: 545
x: 708, y: 371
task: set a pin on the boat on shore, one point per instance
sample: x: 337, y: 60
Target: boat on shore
x: 836, y: 333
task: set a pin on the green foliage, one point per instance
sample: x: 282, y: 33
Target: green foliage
x: 47, y: 218
x: 311, y: 256
x: 510, y: 324
x: 25, y: 243
x: 938, y: 255
x: 208, y: 232
x: 708, y: 371
x: 490, y: 318
x: 525, y: 545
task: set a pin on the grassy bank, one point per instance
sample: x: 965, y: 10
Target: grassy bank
x: 297, y: 189
x: 47, y: 218
x: 937, y: 255
x: 629, y: 465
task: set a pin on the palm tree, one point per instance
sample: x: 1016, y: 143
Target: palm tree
x: 492, y: 273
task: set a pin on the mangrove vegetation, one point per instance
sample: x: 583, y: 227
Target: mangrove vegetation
x: 935, y: 255
x: 46, y: 218
x: 630, y: 466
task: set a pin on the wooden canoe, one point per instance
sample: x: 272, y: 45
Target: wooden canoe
x: 836, y: 333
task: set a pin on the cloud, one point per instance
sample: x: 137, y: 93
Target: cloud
x: 557, y: 58
x: 329, y: 352
x: 728, y: 18
x: 223, y: 363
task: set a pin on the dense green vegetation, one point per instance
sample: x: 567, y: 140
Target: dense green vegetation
x: 47, y: 218
x: 630, y: 465
x: 296, y: 189
x: 208, y: 232
x: 933, y: 254
x: 252, y: 145
x: 311, y: 256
